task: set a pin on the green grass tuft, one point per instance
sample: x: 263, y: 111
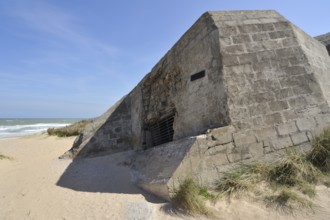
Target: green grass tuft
x: 307, y: 189
x: 235, y: 181
x: 287, y: 199
x: 320, y: 153
x: 292, y: 170
x: 290, y: 180
x: 242, y: 179
x: 191, y: 198
x: 70, y: 130
x: 204, y: 192
x: 325, y: 180
x: 3, y: 157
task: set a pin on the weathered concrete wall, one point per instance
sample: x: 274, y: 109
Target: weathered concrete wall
x: 162, y: 169
x: 147, y: 173
x: 200, y: 104
x: 114, y: 135
x: 319, y: 63
x: 270, y: 81
x: 84, y: 139
x: 267, y: 74
x: 325, y: 40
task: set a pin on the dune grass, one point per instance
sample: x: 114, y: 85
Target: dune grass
x: 287, y: 200
x: 241, y: 179
x: 290, y: 181
x: 320, y: 153
x: 287, y: 183
x: 70, y: 130
x: 3, y: 157
x: 294, y: 169
x: 191, y: 198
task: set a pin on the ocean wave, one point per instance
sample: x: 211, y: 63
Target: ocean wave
x: 40, y: 125
x: 30, y: 129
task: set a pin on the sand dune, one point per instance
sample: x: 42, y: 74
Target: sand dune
x: 37, y: 185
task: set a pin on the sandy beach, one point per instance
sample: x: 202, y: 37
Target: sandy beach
x: 37, y: 185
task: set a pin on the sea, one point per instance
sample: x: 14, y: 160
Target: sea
x: 18, y: 127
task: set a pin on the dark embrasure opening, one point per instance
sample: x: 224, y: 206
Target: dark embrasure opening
x: 161, y: 132
x: 198, y: 75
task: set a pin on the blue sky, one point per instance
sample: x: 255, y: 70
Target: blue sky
x: 75, y: 58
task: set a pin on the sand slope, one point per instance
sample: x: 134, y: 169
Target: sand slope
x: 36, y: 185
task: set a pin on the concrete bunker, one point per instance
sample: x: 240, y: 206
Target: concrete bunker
x: 237, y: 86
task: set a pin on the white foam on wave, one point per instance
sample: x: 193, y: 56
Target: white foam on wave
x: 17, y: 127
x: 24, y: 130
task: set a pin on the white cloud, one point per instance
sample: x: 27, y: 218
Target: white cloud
x: 57, y: 25
x: 56, y: 59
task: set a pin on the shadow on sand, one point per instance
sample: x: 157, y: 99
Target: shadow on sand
x: 106, y: 174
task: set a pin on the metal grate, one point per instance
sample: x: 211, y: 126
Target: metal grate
x: 162, y: 131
